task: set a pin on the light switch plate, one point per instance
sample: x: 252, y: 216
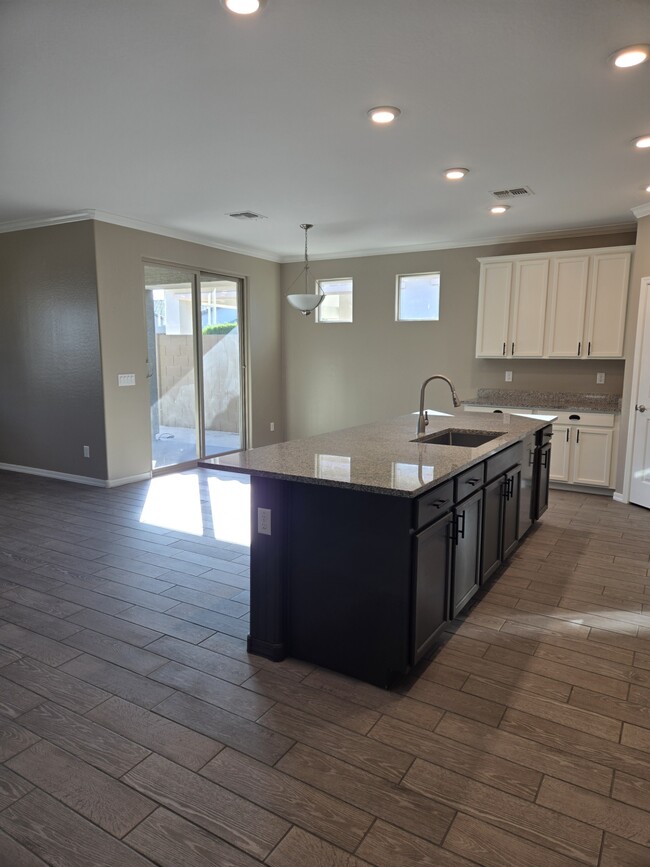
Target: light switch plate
x: 125, y: 379
x: 508, y: 376
x: 600, y: 379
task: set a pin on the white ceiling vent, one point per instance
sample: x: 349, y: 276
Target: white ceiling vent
x: 514, y: 193
x: 247, y: 215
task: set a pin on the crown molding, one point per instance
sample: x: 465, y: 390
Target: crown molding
x: 195, y: 238
x: 139, y: 225
x: 585, y: 231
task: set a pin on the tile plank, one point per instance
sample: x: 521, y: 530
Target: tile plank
x: 54, y: 684
x: 170, y: 841
x: 98, y: 797
x: 64, y: 838
x: 297, y: 802
x: 83, y: 738
x: 239, y: 822
x: 159, y: 734
x: 116, y: 680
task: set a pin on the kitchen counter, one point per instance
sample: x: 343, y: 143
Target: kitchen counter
x: 365, y: 544
x: 560, y: 400
x: 380, y: 457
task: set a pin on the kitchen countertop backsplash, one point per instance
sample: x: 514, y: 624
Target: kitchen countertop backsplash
x: 567, y: 400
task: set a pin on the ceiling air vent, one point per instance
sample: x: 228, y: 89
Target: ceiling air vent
x: 514, y: 193
x: 247, y: 215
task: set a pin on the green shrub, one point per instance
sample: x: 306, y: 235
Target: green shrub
x: 222, y: 328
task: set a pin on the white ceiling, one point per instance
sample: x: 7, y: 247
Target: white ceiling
x: 177, y: 113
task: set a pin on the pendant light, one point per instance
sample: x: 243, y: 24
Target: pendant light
x: 305, y: 301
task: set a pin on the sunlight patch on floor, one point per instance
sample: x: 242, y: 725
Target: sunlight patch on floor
x: 230, y: 504
x: 174, y: 502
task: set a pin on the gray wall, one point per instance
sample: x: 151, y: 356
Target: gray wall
x: 347, y: 374
x: 51, y: 401
x: 120, y: 274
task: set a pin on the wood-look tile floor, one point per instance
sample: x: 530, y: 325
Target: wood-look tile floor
x: 135, y: 729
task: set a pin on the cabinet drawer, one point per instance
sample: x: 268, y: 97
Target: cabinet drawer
x: 503, y: 461
x: 587, y: 419
x: 469, y: 481
x: 433, y: 504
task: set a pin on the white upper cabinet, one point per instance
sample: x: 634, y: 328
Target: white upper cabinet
x: 607, y: 305
x: 555, y: 305
x: 567, y: 304
x: 494, y: 309
x: 528, y: 309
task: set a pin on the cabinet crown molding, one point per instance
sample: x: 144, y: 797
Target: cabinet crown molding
x: 558, y: 254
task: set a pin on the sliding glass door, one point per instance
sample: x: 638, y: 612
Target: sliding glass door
x: 194, y: 341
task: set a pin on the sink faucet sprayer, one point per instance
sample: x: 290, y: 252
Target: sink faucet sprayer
x: 423, y: 418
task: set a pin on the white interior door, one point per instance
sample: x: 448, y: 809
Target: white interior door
x: 640, y: 475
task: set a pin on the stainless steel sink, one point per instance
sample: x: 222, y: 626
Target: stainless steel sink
x: 453, y: 437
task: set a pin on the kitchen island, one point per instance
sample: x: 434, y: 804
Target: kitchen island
x: 366, y: 541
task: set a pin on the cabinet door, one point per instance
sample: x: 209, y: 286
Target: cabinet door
x: 529, y: 309
x: 607, y: 305
x: 430, y: 600
x: 493, y: 497
x: 542, y: 472
x: 466, y: 570
x: 493, y: 309
x: 592, y: 456
x: 561, y: 452
x: 511, y: 512
x: 566, y: 306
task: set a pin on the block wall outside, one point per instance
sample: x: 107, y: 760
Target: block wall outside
x: 175, y: 368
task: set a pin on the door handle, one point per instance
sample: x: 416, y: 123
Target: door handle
x: 545, y: 459
x: 513, y: 349
x: 472, y: 482
x: 640, y: 407
x: 504, y: 349
x: 460, y: 530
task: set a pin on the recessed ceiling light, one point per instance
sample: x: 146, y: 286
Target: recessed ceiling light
x: 499, y: 209
x: 243, y: 7
x: 384, y: 114
x: 643, y: 142
x: 456, y: 174
x: 647, y: 189
x: 631, y: 56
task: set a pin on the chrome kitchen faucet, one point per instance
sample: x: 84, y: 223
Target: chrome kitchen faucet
x: 423, y: 417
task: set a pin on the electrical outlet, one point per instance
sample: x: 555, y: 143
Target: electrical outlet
x: 86, y: 451
x: 600, y: 378
x: 508, y: 376
x: 264, y: 522
x: 272, y: 426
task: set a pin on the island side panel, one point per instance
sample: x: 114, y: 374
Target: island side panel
x: 267, y: 636
x: 349, y: 600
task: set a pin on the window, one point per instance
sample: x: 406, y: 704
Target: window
x: 418, y: 297
x: 337, y: 304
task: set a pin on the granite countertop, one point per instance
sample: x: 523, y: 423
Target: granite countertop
x: 380, y: 457
x: 562, y: 400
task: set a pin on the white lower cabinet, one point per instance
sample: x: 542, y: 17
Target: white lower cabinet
x: 583, y: 448
x: 582, y: 455
x: 592, y: 456
x: 560, y: 453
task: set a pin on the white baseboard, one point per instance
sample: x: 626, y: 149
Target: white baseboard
x: 619, y: 498
x: 127, y: 480
x: 70, y: 477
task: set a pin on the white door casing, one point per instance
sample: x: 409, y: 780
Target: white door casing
x: 640, y: 409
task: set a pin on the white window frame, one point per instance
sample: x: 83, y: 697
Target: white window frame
x: 397, y: 295
x: 336, y: 280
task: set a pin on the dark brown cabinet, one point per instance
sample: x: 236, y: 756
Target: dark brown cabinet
x: 501, y: 520
x: 466, y: 551
x: 542, y: 470
x: 431, y: 586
